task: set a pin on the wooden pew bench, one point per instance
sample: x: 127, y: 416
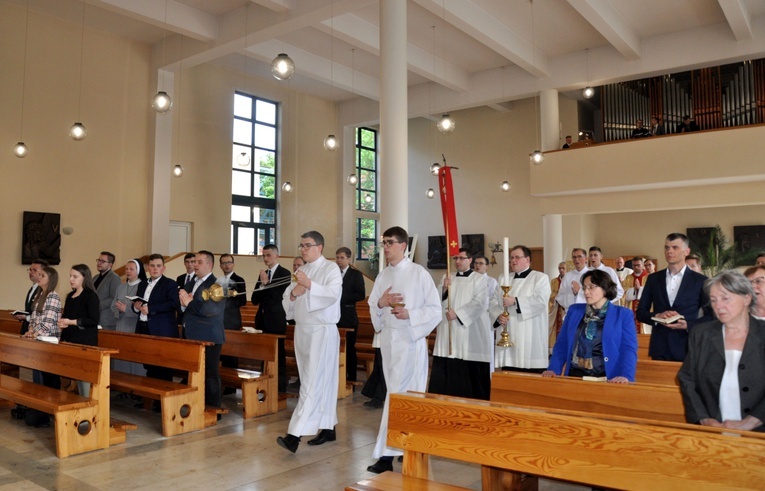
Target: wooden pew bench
x: 510, y: 441
x: 636, y: 400
x: 260, y: 394
x: 643, y: 341
x: 182, y: 404
x: 657, y: 372
x: 81, y: 423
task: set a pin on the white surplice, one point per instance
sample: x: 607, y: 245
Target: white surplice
x: 529, y: 329
x: 317, y: 347
x: 402, y: 341
x: 471, y: 332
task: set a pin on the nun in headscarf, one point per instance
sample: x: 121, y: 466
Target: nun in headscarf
x: 126, y: 316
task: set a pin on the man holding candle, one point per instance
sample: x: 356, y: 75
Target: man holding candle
x: 524, y: 312
x: 461, y: 356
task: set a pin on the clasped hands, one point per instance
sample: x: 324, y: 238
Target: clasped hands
x: 303, y: 284
x: 388, y: 298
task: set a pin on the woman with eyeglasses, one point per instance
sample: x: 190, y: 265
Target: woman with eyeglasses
x: 756, y: 276
x: 721, y: 377
x: 597, y: 338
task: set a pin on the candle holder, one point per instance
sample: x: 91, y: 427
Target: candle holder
x: 504, y: 337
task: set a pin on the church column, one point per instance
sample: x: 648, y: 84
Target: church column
x: 549, y: 119
x: 393, y: 169
x: 160, y: 174
x: 552, y: 241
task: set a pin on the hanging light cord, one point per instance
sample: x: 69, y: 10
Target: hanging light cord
x: 24, y: 71
x: 82, y: 61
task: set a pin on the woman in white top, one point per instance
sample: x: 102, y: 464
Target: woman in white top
x: 721, y: 378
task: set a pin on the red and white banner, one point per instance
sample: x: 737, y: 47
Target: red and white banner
x: 449, y: 211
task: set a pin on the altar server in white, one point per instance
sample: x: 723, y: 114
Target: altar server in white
x: 462, y: 355
x: 527, y: 321
x: 405, y: 307
x: 314, y: 303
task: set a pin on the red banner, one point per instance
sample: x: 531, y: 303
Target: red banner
x: 449, y: 211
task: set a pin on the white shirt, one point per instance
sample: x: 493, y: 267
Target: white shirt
x: 673, y: 284
x: 149, y: 287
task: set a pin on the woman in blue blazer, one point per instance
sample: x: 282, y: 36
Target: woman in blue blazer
x: 598, y: 338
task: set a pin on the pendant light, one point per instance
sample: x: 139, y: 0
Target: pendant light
x: 162, y: 102
x: 287, y: 187
x: 537, y: 157
x: 446, y: 124
x: 178, y: 169
x: 588, y: 92
x: 330, y: 142
x: 430, y: 193
x: 78, y: 131
x: 20, y: 150
x: 282, y: 67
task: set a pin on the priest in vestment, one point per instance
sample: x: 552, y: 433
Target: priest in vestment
x: 405, y: 307
x: 527, y: 319
x: 314, y: 302
x: 633, y: 288
x: 461, y: 356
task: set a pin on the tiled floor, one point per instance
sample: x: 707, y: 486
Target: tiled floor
x: 234, y: 455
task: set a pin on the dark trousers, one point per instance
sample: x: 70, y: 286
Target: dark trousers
x: 375, y: 387
x: 351, y: 360
x: 213, y: 393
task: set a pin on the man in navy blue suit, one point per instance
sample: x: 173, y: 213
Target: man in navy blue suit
x: 203, y: 321
x: 676, y: 290
x: 157, y: 317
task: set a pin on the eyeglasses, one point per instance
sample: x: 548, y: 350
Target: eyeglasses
x: 479, y: 263
x: 226, y: 263
x: 305, y: 246
x: 389, y: 242
x: 101, y: 261
x: 589, y: 287
x: 758, y: 281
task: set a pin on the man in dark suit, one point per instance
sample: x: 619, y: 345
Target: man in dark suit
x: 188, y: 261
x: 232, y: 315
x: 669, y: 292
x: 157, y: 317
x: 271, y: 317
x: 353, y: 291
x: 106, y: 283
x: 34, y: 271
x: 203, y: 321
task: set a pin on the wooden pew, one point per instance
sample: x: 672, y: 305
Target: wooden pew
x: 643, y: 340
x: 657, y: 372
x: 636, y: 400
x: 81, y: 423
x: 260, y: 394
x: 183, y: 406
x: 507, y: 441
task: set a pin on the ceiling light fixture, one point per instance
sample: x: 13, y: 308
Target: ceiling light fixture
x: 352, y: 179
x: 78, y: 131
x: 162, y: 102
x: 178, y: 170
x: 505, y: 186
x: 430, y: 193
x: 282, y: 67
x: 287, y: 187
x: 446, y: 124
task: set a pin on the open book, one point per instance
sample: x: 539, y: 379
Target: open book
x: 136, y: 299
x: 668, y: 320
x: 19, y: 312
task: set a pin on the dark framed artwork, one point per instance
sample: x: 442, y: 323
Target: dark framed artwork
x: 437, y: 256
x: 698, y: 238
x: 473, y: 243
x: 41, y: 237
x: 749, y: 238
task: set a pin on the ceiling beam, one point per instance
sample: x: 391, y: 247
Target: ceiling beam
x: 485, y: 28
x: 179, y: 18
x: 366, y: 36
x: 280, y: 6
x: 739, y: 18
x: 320, y: 69
x: 602, y: 15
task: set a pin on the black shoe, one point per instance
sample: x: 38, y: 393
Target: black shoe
x: 19, y: 412
x: 289, y: 442
x: 381, y: 466
x: 400, y: 458
x: 374, y: 403
x: 324, y: 436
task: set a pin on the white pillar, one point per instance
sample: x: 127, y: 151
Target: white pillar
x: 549, y: 119
x: 393, y: 168
x: 552, y: 241
x: 161, y: 172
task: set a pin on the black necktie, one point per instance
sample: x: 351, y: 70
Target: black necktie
x: 269, y: 276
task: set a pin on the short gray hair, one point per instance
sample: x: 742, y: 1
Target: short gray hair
x: 732, y: 281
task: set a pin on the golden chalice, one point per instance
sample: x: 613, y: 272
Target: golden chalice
x: 504, y: 337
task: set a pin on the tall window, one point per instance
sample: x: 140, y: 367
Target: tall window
x: 367, y: 213
x: 253, y: 174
